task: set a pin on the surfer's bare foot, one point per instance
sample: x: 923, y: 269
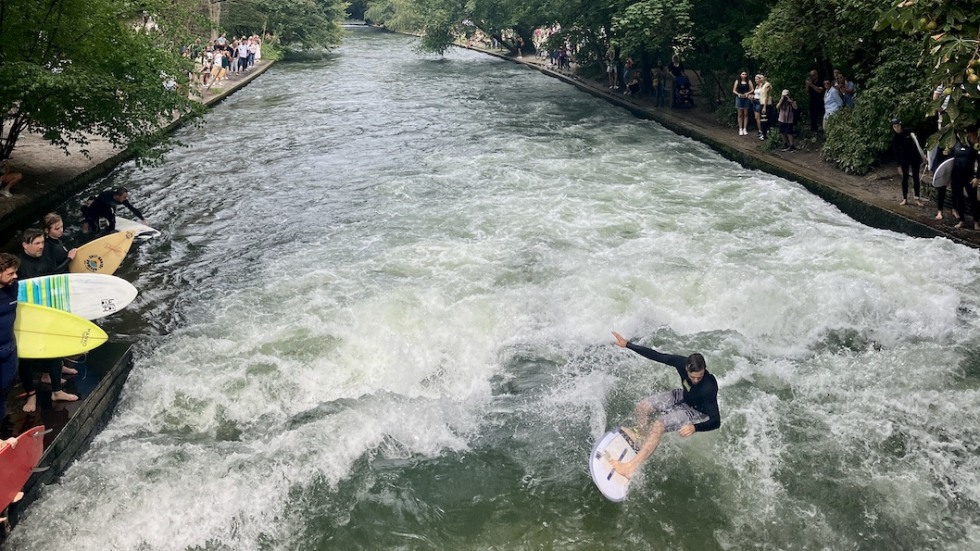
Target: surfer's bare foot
x: 958, y: 225
x: 31, y: 405
x: 65, y: 370
x: 904, y: 202
x: 939, y: 216
x: 62, y: 396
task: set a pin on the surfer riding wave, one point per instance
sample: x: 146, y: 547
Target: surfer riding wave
x: 692, y: 408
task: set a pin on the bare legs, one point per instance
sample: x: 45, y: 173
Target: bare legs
x: 649, y: 434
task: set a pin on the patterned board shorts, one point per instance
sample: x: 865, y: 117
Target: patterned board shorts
x: 674, y: 412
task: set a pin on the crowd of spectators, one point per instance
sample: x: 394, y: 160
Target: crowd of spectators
x: 219, y: 58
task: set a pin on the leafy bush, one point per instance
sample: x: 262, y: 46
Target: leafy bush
x: 857, y: 137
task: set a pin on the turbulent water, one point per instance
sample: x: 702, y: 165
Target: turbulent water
x: 379, y: 318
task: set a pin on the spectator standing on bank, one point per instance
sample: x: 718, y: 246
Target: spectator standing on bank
x: 242, y: 52
x: 832, y: 101
x: 743, y: 90
x: 660, y: 76
x: 908, y: 159
x: 846, y: 88
x: 611, y: 70
x: 815, y: 92
x: 677, y: 71
x: 627, y: 73
x: 253, y: 50
x: 787, y: 109
x: 757, y: 104
x: 766, y: 102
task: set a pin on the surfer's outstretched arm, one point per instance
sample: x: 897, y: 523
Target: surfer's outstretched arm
x: 12, y: 442
x: 673, y: 360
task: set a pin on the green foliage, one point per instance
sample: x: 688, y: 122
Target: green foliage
x: 948, y: 33
x: 296, y: 23
x: 853, y: 142
x: 73, y: 68
x: 857, y: 137
x: 653, y: 27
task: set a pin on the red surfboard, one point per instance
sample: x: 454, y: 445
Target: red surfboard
x: 17, y: 463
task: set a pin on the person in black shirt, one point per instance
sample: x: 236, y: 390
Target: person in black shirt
x: 908, y: 158
x: 693, y: 408
x: 104, y: 206
x: 815, y: 92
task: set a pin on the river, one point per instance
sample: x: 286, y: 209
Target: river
x: 379, y: 318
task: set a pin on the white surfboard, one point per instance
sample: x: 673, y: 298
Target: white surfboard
x: 143, y: 232
x: 615, y: 445
x: 944, y: 172
x: 89, y: 296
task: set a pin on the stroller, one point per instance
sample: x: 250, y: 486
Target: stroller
x: 683, y: 95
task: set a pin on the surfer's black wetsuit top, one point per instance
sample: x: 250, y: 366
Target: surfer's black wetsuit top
x: 702, y: 396
x: 34, y: 266
x: 904, y: 149
x: 8, y: 345
x: 57, y: 254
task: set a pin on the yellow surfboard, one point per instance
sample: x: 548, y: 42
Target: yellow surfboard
x: 102, y: 256
x: 44, y: 332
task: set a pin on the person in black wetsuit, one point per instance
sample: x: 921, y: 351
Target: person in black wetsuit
x: 104, y: 206
x: 8, y: 311
x: 908, y: 158
x: 34, y: 263
x: 54, y: 249
x: 966, y: 177
x: 693, y: 408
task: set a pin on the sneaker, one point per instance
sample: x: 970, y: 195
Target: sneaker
x: 785, y: 149
x: 6, y: 193
x: 761, y: 137
x: 792, y: 148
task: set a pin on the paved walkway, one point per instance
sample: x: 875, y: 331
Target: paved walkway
x: 51, y: 177
x: 872, y: 199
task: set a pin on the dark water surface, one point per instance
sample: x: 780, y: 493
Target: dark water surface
x: 379, y: 318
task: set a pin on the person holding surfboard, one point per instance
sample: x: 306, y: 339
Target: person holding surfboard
x: 908, y: 158
x: 8, y: 313
x: 104, y: 205
x: 54, y: 249
x: 687, y: 410
x: 34, y: 263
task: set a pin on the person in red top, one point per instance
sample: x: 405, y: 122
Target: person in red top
x: 693, y: 408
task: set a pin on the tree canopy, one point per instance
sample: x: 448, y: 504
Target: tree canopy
x: 73, y: 68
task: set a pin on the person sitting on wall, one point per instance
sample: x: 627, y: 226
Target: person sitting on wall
x: 8, y: 178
